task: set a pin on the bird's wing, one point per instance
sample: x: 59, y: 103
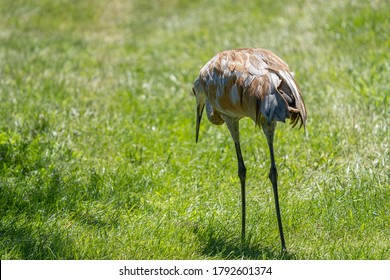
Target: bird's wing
x: 284, y: 88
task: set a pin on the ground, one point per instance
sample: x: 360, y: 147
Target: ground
x: 97, y: 132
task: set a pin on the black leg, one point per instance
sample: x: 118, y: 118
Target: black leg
x: 242, y: 176
x: 273, y: 176
x: 232, y: 124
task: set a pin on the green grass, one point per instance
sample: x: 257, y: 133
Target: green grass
x: 97, y: 127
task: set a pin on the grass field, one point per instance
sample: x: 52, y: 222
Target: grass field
x: 97, y: 132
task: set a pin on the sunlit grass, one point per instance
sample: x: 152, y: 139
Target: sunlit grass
x: 97, y: 152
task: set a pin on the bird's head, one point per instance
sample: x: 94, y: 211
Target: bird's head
x: 200, y: 102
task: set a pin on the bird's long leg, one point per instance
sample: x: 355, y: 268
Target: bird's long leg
x: 242, y: 176
x: 232, y: 124
x: 273, y: 175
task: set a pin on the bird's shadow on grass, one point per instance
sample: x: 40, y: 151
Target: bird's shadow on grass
x: 221, y: 246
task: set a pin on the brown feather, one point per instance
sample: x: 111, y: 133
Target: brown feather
x: 251, y: 83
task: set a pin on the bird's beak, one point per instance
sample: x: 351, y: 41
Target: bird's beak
x: 199, y: 111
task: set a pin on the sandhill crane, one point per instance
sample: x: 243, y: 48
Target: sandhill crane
x: 252, y: 83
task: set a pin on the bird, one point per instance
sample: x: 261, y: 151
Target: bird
x: 254, y: 83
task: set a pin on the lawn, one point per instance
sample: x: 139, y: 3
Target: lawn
x: 97, y: 132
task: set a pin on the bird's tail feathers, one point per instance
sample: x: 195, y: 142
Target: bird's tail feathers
x: 272, y: 105
x: 288, y: 91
